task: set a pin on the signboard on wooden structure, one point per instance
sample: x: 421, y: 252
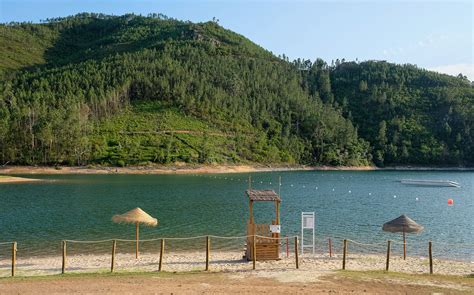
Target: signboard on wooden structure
x: 275, y: 228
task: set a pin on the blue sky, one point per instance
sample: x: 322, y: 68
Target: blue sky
x: 436, y: 35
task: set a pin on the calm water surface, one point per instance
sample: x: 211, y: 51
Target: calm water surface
x: 351, y: 205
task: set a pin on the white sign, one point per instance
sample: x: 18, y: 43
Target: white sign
x: 275, y: 229
x: 308, y: 221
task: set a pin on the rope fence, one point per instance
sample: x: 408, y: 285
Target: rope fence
x: 164, y: 241
x: 14, y: 249
x: 336, y: 247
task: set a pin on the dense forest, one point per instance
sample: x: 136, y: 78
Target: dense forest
x: 134, y: 90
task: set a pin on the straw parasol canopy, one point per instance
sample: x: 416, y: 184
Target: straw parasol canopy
x: 402, y: 224
x: 137, y: 216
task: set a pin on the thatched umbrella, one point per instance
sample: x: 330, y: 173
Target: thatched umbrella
x: 402, y: 224
x: 136, y: 216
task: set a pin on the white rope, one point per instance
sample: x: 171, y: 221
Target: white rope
x: 453, y: 244
x: 6, y: 243
x: 399, y: 243
x: 177, y: 239
x: 362, y: 244
x: 229, y: 238
x: 89, y: 242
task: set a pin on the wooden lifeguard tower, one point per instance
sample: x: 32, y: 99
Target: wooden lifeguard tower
x: 266, y: 248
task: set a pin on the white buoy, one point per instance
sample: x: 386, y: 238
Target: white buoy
x: 316, y: 187
x: 332, y: 189
x: 370, y: 194
x: 350, y: 192
x: 291, y: 185
x: 416, y: 199
x: 270, y: 183
x: 304, y: 186
x: 394, y: 196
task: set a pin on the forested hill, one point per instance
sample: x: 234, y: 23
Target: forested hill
x: 133, y: 90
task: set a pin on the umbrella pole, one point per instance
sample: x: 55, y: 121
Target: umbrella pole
x: 404, y: 246
x: 136, y: 237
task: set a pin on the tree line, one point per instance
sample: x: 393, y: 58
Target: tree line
x: 101, y: 75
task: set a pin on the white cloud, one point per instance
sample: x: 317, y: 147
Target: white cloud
x: 454, y: 69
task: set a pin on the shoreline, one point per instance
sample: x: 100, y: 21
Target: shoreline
x: 175, y: 169
x: 202, y: 169
x: 311, y: 266
x: 12, y: 179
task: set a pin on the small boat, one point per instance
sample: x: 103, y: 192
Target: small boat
x: 447, y: 183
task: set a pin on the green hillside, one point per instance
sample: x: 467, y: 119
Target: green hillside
x: 133, y: 90
x: 409, y: 115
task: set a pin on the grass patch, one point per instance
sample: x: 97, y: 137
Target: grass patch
x: 103, y: 274
x: 147, y: 133
x: 383, y: 275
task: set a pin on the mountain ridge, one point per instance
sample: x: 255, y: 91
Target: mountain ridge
x: 118, y: 81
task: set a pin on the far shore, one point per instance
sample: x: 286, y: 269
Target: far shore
x: 11, y: 179
x: 197, y: 169
x: 172, y: 169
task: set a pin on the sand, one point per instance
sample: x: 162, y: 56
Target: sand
x: 183, y: 168
x: 11, y: 179
x: 223, y: 283
x: 161, y: 169
x: 284, y: 270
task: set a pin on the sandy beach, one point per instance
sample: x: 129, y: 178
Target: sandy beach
x: 182, y: 168
x: 311, y: 266
x: 160, y: 169
x: 12, y: 179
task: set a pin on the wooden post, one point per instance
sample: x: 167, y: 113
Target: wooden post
x: 430, y: 250
x: 330, y: 247
x: 114, y: 246
x: 63, y: 269
x: 251, y: 211
x: 162, y: 250
x: 296, y: 253
x: 277, y: 205
x: 344, y: 253
x: 13, y: 258
x: 254, y: 250
x: 404, y: 246
x: 388, y: 256
x: 208, y: 251
x: 137, y: 229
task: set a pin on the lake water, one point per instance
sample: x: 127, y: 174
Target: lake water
x: 348, y: 204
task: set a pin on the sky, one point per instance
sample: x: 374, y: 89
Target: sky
x: 437, y: 35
